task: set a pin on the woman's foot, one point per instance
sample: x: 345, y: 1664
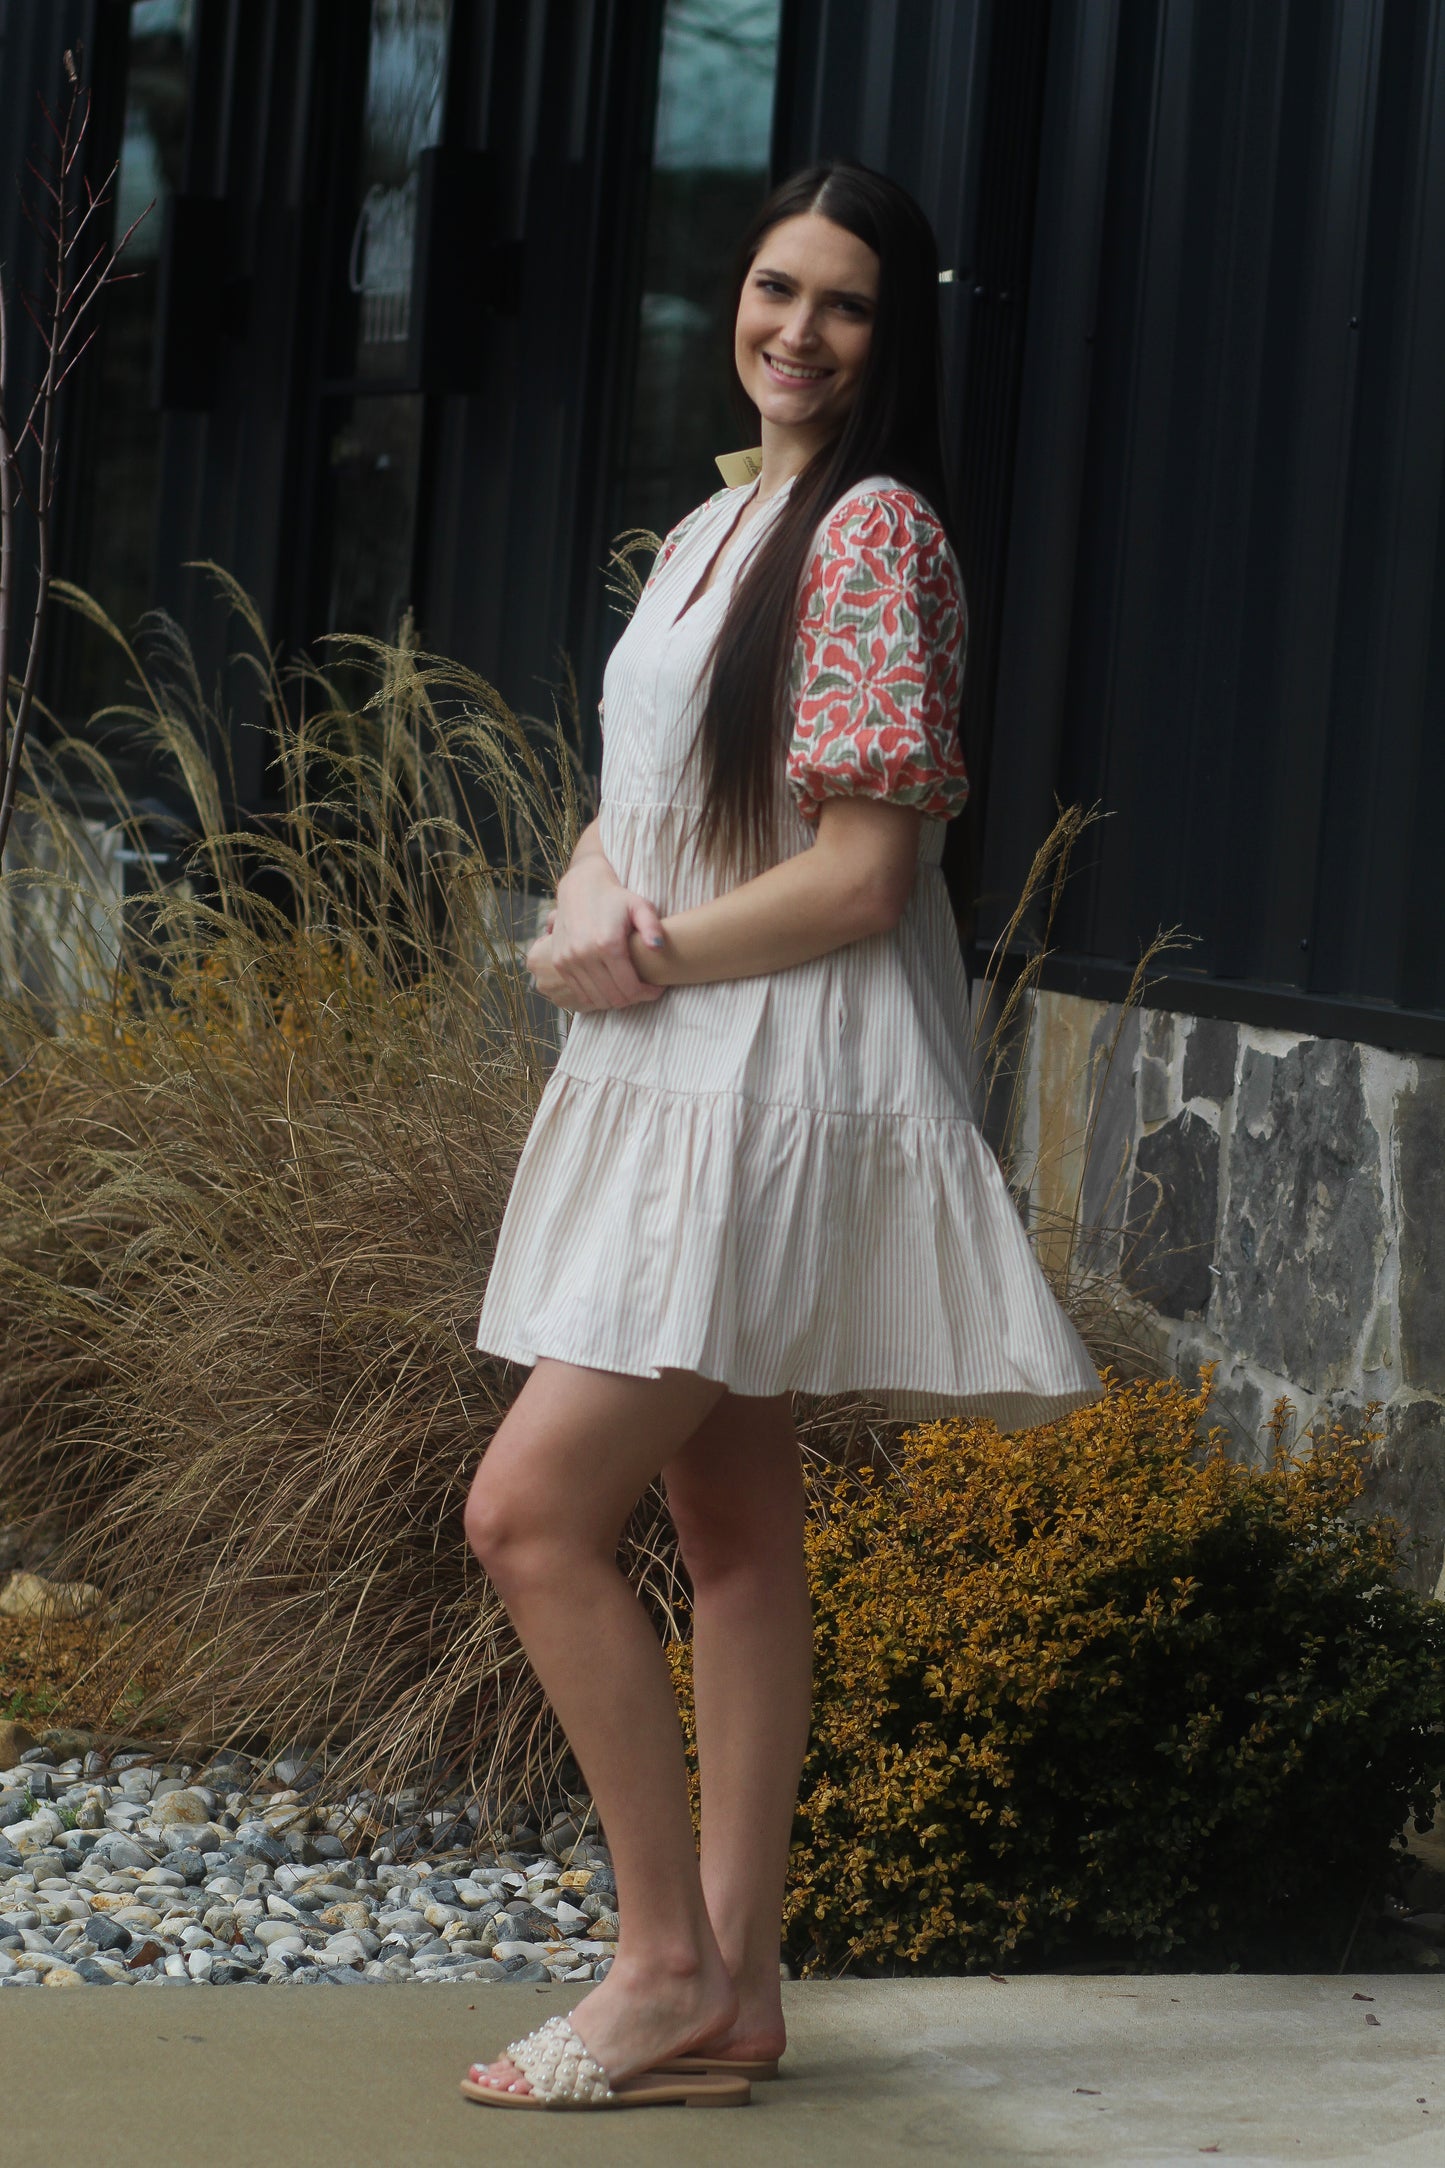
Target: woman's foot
x: 636, y: 2019
x: 756, y: 2034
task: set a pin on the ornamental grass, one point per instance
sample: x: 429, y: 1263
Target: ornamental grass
x: 258, y: 1122
x: 257, y: 1131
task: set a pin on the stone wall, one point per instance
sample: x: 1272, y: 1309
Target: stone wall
x: 1279, y: 1205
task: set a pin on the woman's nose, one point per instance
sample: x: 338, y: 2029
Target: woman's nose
x: 801, y: 328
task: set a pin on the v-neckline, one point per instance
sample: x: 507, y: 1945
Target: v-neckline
x: 705, y: 584
x: 701, y: 589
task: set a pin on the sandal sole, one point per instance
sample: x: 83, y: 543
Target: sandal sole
x: 721, y: 2066
x: 728, y: 2094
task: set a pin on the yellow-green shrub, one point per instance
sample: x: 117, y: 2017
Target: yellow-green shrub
x: 1093, y: 1687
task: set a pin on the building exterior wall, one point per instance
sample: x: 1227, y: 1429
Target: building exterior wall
x: 1277, y: 1204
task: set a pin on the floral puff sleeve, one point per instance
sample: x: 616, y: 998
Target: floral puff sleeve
x: 878, y: 665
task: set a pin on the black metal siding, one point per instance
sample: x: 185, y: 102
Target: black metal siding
x: 946, y: 95
x: 1223, y: 601
x: 1195, y: 346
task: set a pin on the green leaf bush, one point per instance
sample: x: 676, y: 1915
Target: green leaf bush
x: 1098, y: 1691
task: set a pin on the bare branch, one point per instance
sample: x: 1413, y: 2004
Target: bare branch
x: 65, y: 322
x: 84, y: 348
x: 44, y: 179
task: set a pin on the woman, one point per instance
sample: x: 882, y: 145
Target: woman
x: 754, y: 1170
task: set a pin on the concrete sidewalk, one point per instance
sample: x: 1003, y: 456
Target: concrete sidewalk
x: 1163, y: 2071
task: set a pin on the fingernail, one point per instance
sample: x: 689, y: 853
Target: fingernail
x: 654, y: 940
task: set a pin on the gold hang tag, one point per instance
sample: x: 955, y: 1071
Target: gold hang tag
x: 739, y: 467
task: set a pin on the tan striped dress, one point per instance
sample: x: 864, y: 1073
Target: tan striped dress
x: 777, y: 1182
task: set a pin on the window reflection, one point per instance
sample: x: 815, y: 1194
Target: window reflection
x: 710, y: 166
x: 374, y: 431
x: 375, y: 458
x: 405, y: 90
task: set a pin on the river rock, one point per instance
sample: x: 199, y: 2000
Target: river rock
x: 161, y: 1880
x: 529, y: 1924
x: 349, y: 1918
x: 65, y: 1742
x: 286, y: 1944
x: 183, y: 1805
x: 104, y: 1933
x: 347, y: 1949
x: 15, y: 1740
x: 27, y: 1595
x: 118, y: 1852
x: 36, y: 1835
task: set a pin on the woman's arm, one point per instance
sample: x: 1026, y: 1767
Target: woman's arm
x: 589, y: 931
x: 855, y: 881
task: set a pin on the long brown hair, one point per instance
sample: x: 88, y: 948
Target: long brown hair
x: 892, y: 428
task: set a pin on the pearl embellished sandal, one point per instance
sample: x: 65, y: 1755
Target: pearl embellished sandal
x: 562, y: 2074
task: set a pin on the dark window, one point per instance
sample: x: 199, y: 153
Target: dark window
x: 374, y: 421
x: 710, y: 163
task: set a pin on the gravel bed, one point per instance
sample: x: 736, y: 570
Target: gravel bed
x: 117, y: 1871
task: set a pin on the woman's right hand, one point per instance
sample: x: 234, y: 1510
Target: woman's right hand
x: 590, y: 931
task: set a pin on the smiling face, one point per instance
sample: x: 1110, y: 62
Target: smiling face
x: 804, y: 327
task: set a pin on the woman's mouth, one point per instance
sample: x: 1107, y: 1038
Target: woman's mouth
x: 794, y: 372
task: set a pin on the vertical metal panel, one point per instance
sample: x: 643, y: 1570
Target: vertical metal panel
x: 1030, y: 703
x: 1378, y: 900
x: 1222, y: 606
x: 946, y: 96
x: 523, y: 502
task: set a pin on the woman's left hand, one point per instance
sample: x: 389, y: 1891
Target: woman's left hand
x: 547, y: 979
x: 550, y: 983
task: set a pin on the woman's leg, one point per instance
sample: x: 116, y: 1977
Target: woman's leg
x: 736, y: 1494
x: 544, y: 1515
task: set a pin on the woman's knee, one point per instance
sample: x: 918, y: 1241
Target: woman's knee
x: 721, y: 1537
x: 503, y: 1527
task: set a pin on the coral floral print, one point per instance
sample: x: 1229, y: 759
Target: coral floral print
x: 878, y: 666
